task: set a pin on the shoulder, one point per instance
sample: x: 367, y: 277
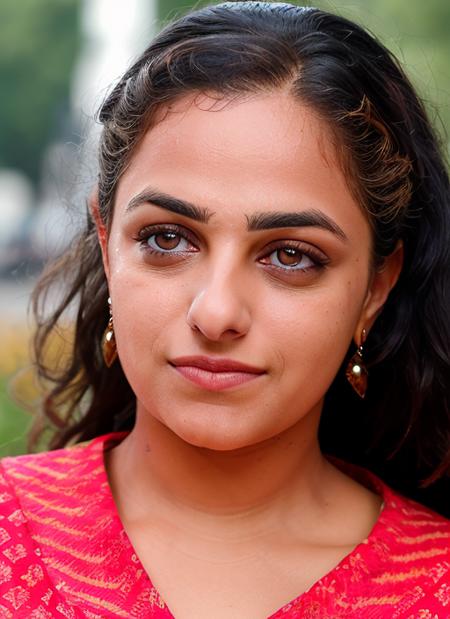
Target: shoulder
x: 35, y: 490
x: 418, y: 539
x: 32, y: 483
x: 399, y: 512
x: 27, y: 477
x: 415, y: 539
x: 412, y: 526
x: 45, y: 462
x: 408, y: 558
x: 61, y: 463
x: 25, y: 587
x: 35, y: 481
x: 402, y: 570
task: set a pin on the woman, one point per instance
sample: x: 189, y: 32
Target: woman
x: 271, y: 218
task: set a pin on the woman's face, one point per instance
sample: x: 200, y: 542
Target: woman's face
x: 235, y: 236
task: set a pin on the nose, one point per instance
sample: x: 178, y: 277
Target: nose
x: 219, y: 309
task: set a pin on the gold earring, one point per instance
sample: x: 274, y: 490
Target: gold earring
x: 109, y: 341
x: 356, y: 371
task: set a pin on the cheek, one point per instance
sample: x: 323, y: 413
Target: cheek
x: 144, y: 308
x: 313, y: 331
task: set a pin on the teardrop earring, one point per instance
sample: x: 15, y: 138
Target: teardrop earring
x: 356, y: 371
x: 109, y: 348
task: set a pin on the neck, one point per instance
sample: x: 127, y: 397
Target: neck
x: 153, y: 466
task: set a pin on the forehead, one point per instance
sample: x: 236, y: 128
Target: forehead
x: 258, y: 130
x: 255, y: 152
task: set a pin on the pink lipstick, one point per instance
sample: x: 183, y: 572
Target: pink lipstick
x: 215, y: 374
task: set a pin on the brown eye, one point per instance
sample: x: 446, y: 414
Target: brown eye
x: 288, y: 256
x: 162, y: 240
x: 166, y: 240
x: 290, y: 259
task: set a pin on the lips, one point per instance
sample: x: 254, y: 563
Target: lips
x: 215, y: 364
x: 215, y: 374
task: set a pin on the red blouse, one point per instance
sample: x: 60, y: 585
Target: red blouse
x: 64, y: 552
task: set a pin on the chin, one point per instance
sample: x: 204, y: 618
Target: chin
x: 218, y: 438
x: 212, y: 441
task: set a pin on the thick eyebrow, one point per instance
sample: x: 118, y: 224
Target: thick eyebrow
x: 175, y: 205
x: 303, y: 219
x: 255, y: 222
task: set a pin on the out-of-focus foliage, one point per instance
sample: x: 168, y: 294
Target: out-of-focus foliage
x: 20, y: 391
x: 14, y: 421
x: 38, y: 43
x: 417, y: 33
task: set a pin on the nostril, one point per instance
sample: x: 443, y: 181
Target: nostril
x: 231, y: 332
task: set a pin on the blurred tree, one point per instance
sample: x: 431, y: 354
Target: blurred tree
x: 418, y: 34
x: 38, y: 44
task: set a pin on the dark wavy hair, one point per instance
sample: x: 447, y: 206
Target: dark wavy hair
x: 395, y: 167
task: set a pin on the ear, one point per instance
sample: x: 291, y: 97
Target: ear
x: 381, y: 284
x: 102, y: 234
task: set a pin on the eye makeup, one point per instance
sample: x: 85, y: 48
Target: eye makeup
x: 169, y: 243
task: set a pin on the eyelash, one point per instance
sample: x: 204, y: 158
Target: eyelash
x: 154, y: 230
x: 316, y: 256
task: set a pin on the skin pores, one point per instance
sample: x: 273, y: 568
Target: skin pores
x: 287, y: 300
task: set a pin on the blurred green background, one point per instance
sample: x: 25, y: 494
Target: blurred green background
x: 39, y: 45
